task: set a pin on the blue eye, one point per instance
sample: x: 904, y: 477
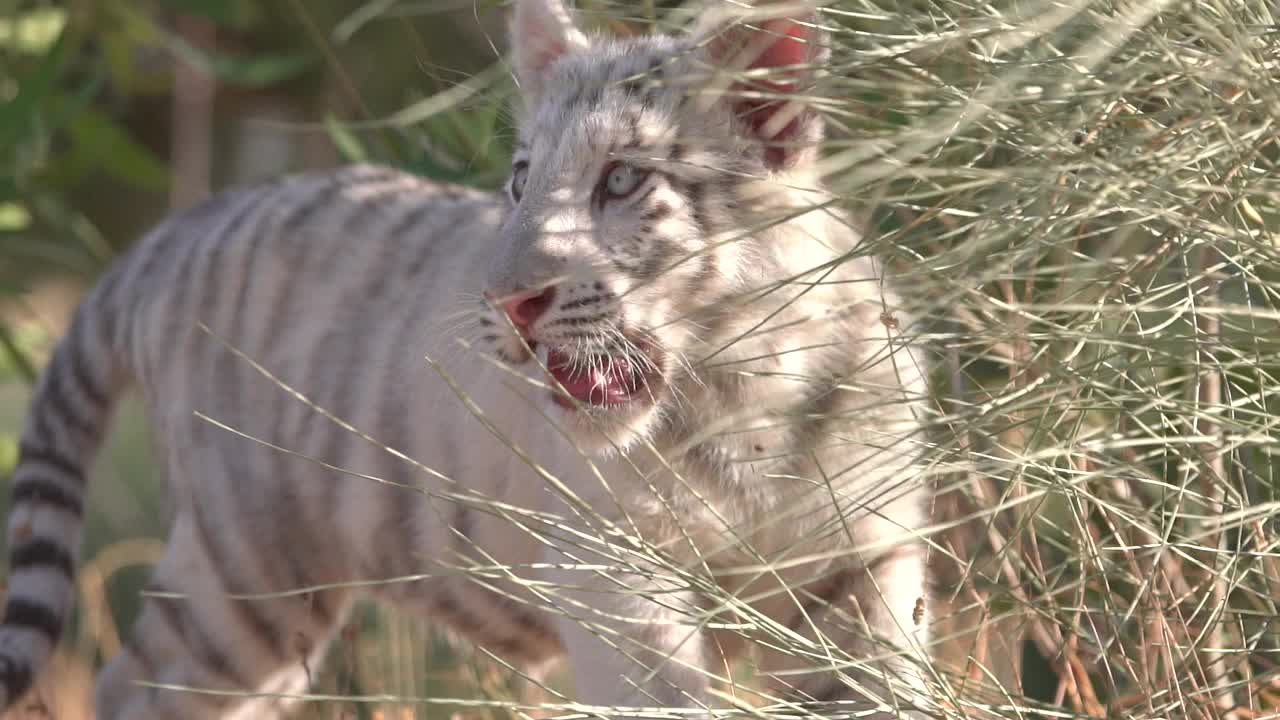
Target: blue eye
x: 621, y: 180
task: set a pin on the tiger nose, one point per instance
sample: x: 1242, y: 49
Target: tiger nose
x: 526, y: 306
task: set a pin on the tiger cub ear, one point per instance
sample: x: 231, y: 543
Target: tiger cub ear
x: 771, y: 58
x: 541, y: 32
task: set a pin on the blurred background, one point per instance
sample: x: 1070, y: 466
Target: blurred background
x: 1083, y: 197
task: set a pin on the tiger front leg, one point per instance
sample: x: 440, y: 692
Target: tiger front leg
x: 634, y: 634
x: 865, y: 634
x: 197, y: 652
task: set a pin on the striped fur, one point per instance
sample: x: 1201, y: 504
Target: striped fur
x: 758, y: 436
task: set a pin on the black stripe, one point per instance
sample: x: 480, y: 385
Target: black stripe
x: 633, y: 128
x: 15, y: 675
x: 454, y: 610
x: 205, y: 272
x: 102, y: 299
x: 230, y: 233
x: 167, y: 610
x: 474, y: 624
x: 262, y: 233
x: 310, y: 533
x: 193, y: 236
x: 41, y: 491
x: 411, y: 219
x: 455, y: 607
x: 144, y: 261
x: 399, y: 527
x: 32, y: 615
x: 54, y: 394
x: 251, y: 615
x: 659, y: 254
x: 132, y: 644
x: 639, y: 201
x: 462, y: 529
x: 708, y: 268
x: 40, y: 429
x: 430, y: 249
x: 534, y: 622
x: 819, y: 596
x: 41, y: 552
x: 364, y: 213
x: 304, y: 211
x: 287, y: 565
x: 695, y: 194
x: 177, y: 614
x: 28, y: 453
x: 661, y: 210
x: 85, y: 382
x: 321, y: 605
x: 580, y: 320
x: 582, y: 302
x: 834, y: 690
x: 248, y: 610
x: 287, y: 247
x: 589, y: 97
x: 216, y: 206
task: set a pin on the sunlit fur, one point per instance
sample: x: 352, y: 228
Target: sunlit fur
x: 337, y: 398
x: 672, y: 261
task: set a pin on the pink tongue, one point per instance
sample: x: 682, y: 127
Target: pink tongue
x: 600, y: 385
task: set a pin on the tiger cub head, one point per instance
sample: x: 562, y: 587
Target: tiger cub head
x: 641, y: 170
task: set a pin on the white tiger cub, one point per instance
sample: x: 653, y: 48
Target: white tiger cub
x: 712, y: 416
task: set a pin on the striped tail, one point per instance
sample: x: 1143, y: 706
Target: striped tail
x: 65, y: 425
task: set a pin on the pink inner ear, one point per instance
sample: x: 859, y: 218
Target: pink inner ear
x: 790, y: 47
x: 545, y: 51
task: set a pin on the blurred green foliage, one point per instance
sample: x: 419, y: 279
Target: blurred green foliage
x: 85, y: 122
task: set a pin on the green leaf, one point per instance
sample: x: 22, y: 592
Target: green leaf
x: 262, y: 71
x: 448, y: 100
x: 114, y: 151
x: 13, y: 217
x: 16, y: 116
x: 362, y: 15
x: 352, y: 150
x: 8, y: 454
x: 32, y: 32
x: 119, y: 46
x: 13, y: 354
x: 66, y: 107
x: 250, y: 72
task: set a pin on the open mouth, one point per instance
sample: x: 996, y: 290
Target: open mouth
x: 604, y: 380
